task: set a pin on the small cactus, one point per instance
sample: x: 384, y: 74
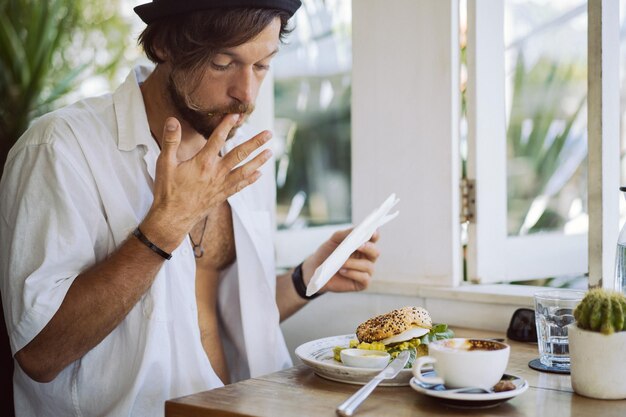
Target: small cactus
x: 602, y: 311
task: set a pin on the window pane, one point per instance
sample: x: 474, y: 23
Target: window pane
x: 312, y: 108
x: 546, y: 90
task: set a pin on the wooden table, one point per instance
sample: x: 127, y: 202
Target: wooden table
x: 298, y: 392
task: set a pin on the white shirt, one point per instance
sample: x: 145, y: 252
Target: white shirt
x: 74, y: 188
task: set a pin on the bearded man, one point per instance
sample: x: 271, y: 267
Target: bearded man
x: 136, y: 256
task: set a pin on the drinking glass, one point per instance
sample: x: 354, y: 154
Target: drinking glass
x: 554, y: 310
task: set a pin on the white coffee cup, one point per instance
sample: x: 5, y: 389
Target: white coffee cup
x: 462, y: 362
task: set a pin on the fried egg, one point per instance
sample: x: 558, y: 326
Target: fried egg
x: 412, y: 333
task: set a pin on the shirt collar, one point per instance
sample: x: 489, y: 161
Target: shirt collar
x: 130, y: 111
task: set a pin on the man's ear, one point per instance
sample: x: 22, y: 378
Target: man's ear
x: 161, y: 54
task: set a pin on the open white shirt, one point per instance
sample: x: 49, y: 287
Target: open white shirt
x: 74, y: 188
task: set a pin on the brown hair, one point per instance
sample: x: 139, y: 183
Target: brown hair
x: 191, y: 39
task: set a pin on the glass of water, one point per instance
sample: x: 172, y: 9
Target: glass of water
x: 554, y: 310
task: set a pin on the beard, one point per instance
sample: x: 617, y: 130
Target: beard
x: 204, y: 120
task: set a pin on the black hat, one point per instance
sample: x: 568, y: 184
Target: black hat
x: 158, y: 9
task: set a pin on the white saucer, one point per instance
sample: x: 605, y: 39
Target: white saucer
x: 470, y: 399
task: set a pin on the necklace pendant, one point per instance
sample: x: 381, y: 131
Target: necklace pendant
x: 198, y: 251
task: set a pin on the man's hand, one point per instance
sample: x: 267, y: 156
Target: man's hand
x: 355, y: 274
x: 184, y: 191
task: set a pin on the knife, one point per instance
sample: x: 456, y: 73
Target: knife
x: 347, y: 408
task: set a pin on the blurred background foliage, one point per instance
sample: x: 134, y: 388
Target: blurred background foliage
x: 546, y: 132
x: 312, y: 131
x: 545, y: 153
x: 319, y: 153
x: 47, y: 49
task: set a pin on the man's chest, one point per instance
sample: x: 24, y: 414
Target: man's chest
x: 218, y: 242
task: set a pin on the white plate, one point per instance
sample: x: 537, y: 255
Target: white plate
x: 318, y: 355
x: 470, y: 399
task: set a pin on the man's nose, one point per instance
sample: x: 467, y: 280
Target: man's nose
x: 244, y: 86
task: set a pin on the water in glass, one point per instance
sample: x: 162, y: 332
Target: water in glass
x: 552, y: 334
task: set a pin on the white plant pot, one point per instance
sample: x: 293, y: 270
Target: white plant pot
x: 597, y: 363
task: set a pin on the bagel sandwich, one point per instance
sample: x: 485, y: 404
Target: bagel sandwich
x: 396, y: 326
x: 401, y: 329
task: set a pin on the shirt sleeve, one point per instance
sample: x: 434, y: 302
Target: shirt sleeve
x: 50, y: 217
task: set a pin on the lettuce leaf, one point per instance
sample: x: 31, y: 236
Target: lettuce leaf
x: 438, y: 332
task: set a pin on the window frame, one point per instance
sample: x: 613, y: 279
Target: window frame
x: 604, y: 140
x: 492, y: 255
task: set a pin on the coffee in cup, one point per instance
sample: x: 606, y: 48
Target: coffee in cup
x: 461, y: 362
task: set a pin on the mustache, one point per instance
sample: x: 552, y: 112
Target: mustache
x: 203, y: 119
x: 245, y: 109
x: 182, y: 100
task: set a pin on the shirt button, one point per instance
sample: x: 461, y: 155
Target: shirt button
x: 186, y: 251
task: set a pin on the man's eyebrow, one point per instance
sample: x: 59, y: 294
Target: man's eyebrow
x: 274, y: 52
x: 237, y: 56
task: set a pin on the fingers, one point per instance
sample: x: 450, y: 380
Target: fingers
x: 247, y: 174
x: 359, y: 268
x: 362, y: 261
x: 241, y: 152
x: 356, y: 280
x: 368, y: 250
x: 216, y: 141
x: 356, y: 273
x: 361, y: 265
x: 340, y: 235
x: 170, y: 141
x: 244, y: 171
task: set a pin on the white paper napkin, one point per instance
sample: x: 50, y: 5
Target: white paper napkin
x: 359, y: 235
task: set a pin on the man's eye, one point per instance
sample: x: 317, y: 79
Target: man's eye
x: 262, y: 67
x: 220, y: 67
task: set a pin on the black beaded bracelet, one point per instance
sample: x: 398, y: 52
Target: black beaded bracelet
x: 298, y: 284
x: 143, y: 239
